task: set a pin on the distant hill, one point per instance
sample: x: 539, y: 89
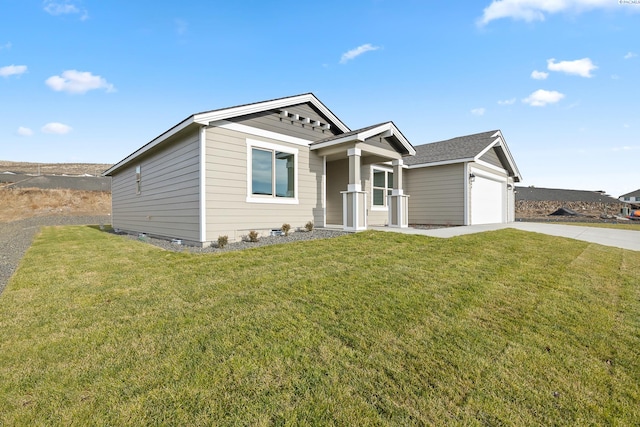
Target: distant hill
x: 94, y: 169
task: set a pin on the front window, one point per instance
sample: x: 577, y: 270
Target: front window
x: 382, y: 186
x: 262, y: 172
x: 272, y: 173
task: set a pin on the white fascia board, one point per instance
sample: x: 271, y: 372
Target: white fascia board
x: 337, y: 141
x: 213, y: 116
x: 490, y: 166
x: 391, y: 130
x: 487, y: 148
x: 511, y: 160
x: 375, y: 131
x: 500, y: 142
x: 444, y: 162
x: 152, y: 144
x: 250, y: 130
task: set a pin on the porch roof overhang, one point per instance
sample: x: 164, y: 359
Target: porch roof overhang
x: 396, y: 147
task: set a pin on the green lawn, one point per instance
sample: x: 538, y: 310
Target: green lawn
x: 498, y: 328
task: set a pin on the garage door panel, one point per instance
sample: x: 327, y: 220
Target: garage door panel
x: 486, y: 201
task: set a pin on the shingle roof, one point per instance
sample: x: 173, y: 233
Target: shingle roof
x: 463, y: 147
x: 632, y: 194
x: 560, y: 195
x: 397, y: 140
x: 347, y: 134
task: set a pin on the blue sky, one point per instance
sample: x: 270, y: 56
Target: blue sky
x: 91, y: 81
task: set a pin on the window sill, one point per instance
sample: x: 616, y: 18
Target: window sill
x: 274, y: 200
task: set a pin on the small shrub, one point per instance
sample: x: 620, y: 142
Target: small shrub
x: 223, y: 241
x: 286, y: 228
x: 309, y: 226
x: 253, y: 236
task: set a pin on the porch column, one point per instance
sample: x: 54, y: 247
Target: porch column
x: 398, y: 201
x: 354, y: 200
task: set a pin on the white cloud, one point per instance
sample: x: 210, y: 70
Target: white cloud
x: 7, y: 45
x: 13, y: 70
x: 507, y: 102
x: 626, y: 148
x: 542, y: 97
x: 579, y: 67
x: 536, y: 10
x: 539, y: 75
x: 65, y: 7
x: 23, y: 131
x: 353, y: 53
x: 478, y: 111
x: 615, y: 77
x: 630, y: 55
x: 74, y: 81
x: 56, y: 128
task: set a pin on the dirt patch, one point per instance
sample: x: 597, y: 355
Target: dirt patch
x: 21, y: 203
x: 94, y: 169
x: 531, y: 209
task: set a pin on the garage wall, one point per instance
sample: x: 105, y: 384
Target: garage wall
x: 436, y: 194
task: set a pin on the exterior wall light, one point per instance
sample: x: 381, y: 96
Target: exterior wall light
x: 472, y: 177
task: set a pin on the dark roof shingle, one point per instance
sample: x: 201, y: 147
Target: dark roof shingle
x: 559, y: 195
x: 463, y: 147
x: 632, y: 194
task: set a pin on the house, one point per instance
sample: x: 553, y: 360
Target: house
x: 631, y: 198
x: 287, y: 160
x: 466, y: 180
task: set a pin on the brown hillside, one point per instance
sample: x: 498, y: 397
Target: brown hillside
x: 54, y: 168
x: 21, y: 203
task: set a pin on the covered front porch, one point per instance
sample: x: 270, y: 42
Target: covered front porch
x: 364, y: 177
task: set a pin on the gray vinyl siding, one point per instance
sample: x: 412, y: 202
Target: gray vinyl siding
x: 492, y: 158
x: 337, y: 181
x: 227, y: 210
x: 436, y: 194
x: 273, y: 122
x: 168, y: 204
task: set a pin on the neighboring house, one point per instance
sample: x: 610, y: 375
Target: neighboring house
x: 633, y: 197
x: 287, y: 160
x: 462, y: 181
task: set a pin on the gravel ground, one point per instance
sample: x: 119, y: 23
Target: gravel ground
x: 17, y: 236
x: 237, y: 246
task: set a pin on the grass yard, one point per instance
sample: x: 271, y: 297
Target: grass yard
x: 498, y: 328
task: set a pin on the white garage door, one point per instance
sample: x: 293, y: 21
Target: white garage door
x: 487, y: 204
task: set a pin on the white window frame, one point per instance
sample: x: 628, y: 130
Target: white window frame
x: 386, y: 170
x: 271, y: 199
x: 139, y: 179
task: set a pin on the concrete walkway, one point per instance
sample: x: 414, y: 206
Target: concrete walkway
x: 625, y: 239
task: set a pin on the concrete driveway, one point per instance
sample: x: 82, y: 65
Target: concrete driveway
x: 625, y: 239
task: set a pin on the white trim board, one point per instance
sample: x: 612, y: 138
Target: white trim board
x: 203, y: 184
x: 212, y: 116
x: 250, y: 130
